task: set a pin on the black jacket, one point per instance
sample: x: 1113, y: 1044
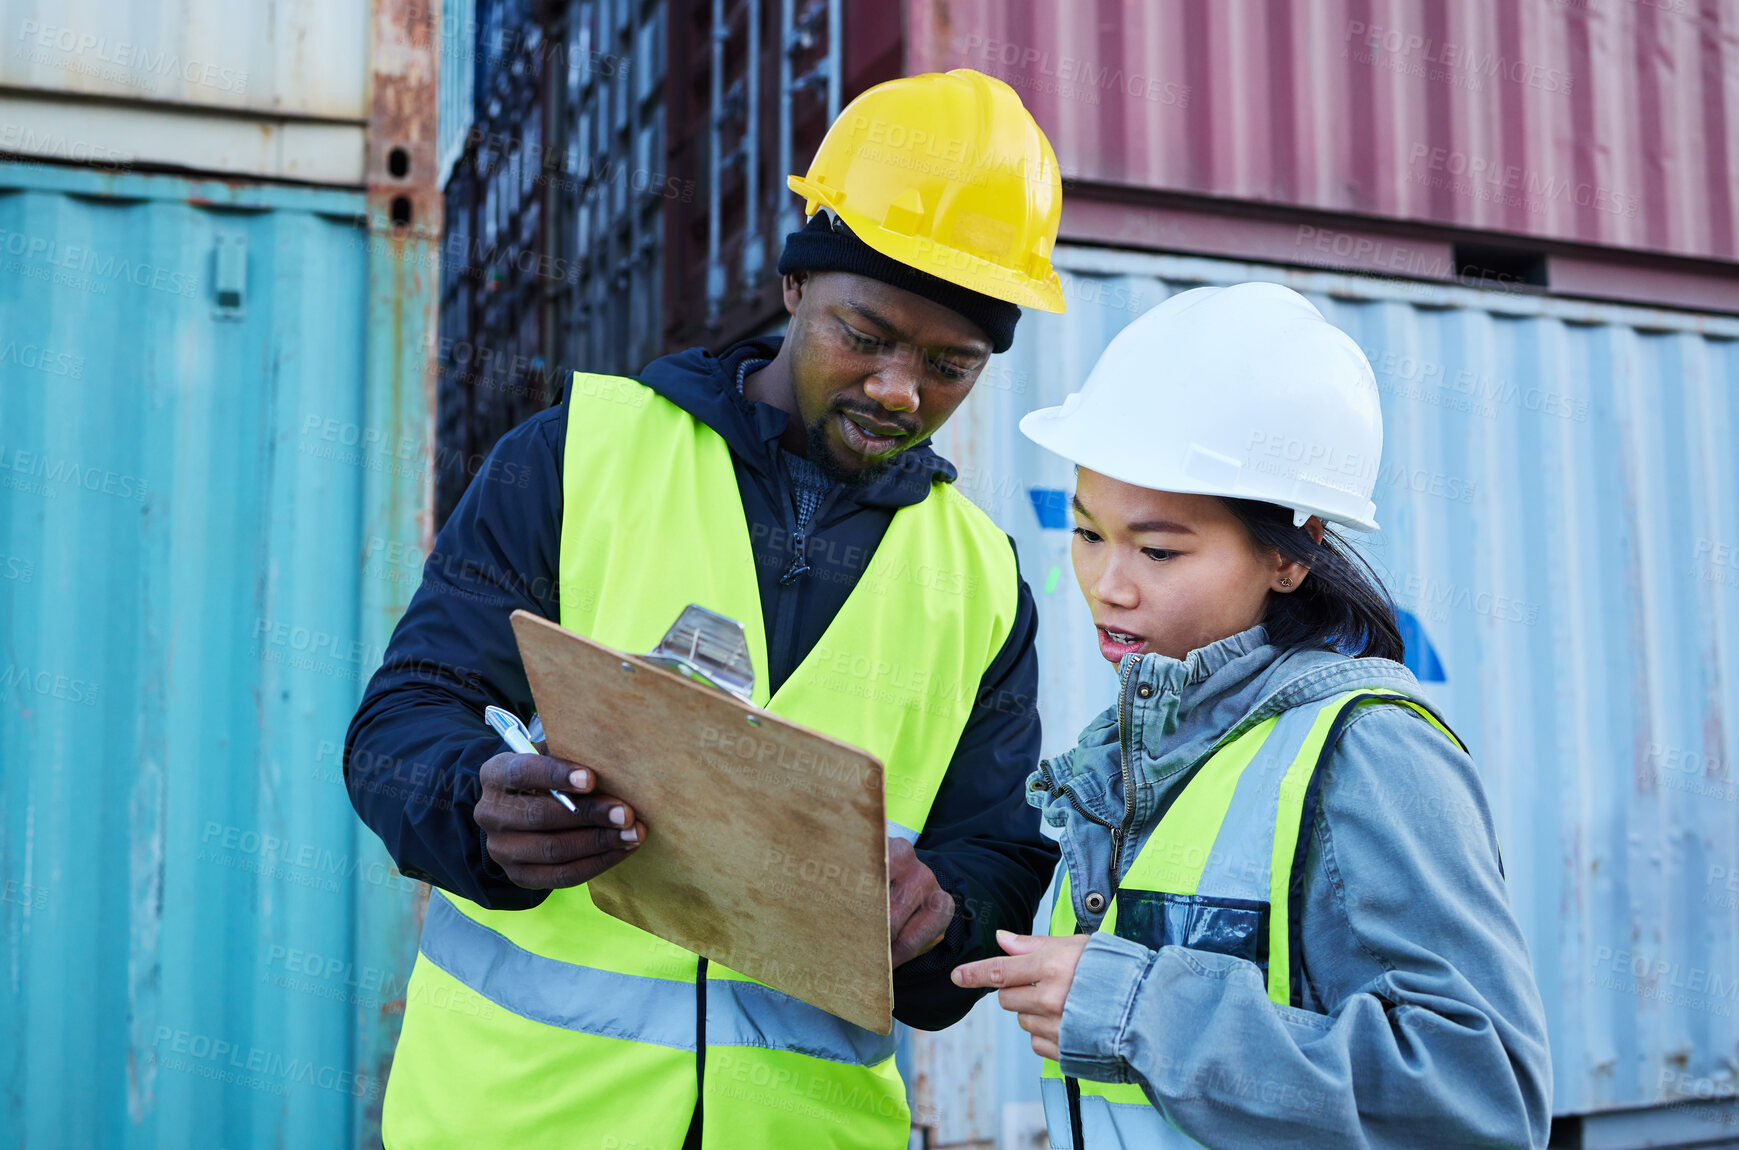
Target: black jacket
x: 418, y: 739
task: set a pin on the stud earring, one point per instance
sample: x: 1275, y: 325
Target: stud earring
x: 1286, y: 580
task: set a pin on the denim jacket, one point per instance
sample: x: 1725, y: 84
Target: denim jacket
x: 1422, y: 1024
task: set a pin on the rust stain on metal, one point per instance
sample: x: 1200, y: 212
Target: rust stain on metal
x: 403, y: 123
x: 402, y: 230
x: 402, y: 117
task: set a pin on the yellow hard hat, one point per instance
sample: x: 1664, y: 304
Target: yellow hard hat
x: 948, y: 174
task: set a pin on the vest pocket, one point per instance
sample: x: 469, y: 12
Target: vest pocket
x: 1232, y: 926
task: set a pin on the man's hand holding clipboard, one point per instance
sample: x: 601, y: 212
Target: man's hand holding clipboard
x: 770, y: 857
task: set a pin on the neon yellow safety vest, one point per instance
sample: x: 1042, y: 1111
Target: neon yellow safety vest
x: 1224, y: 872
x: 561, y: 1026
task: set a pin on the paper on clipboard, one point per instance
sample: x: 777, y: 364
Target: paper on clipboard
x: 766, y: 849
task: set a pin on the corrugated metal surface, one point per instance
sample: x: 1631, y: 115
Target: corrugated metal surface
x: 1588, y: 120
x: 974, y: 1086
x: 119, y: 137
x: 307, y: 58
x: 607, y: 215
x: 212, y: 460
x: 404, y: 224
x: 723, y: 285
x: 1560, y: 503
x: 458, y: 57
x: 498, y: 272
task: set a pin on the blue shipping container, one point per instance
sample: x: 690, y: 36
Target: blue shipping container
x: 1559, y: 497
x: 212, y: 459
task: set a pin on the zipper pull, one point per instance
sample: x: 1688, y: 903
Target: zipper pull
x: 799, y: 563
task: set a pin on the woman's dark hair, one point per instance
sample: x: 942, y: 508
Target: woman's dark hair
x: 1343, y: 605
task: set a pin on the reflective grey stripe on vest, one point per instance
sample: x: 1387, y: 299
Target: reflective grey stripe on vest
x: 748, y: 1014
x: 1242, y: 857
x: 1106, y: 1125
x: 635, y: 1007
x: 1238, y: 866
x: 896, y: 831
x: 631, y: 1006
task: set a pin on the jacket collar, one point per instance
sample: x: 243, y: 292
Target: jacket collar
x: 705, y: 385
x: 1176, y: 712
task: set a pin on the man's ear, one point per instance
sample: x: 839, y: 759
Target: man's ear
x: 794, y: 283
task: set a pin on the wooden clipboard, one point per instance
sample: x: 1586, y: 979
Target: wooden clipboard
x: 766, y: 846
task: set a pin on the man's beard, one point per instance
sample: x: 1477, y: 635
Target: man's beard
x: 820, y: 453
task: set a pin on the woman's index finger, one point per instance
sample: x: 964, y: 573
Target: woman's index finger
x: 1003, y: 970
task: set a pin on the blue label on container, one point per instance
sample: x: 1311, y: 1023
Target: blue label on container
x: 1421, y: 656
x: 1052, y: 507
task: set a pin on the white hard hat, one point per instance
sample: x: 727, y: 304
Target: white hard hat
x: 1243, y: 391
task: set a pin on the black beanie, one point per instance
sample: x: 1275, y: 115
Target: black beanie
x: 825, y: 244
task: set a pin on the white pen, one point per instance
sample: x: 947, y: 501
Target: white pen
x: 514, y: 734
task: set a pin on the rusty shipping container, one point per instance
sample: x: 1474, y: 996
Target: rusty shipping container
x: 754, y: 84
x: 1586, y: 146
x: 219, y: 229
x: 1590, y: 123
x: 1539, y: 143
x: 495, y: 265
x: 598, y: 215
x: 608, y: 185
x: 553, y: 254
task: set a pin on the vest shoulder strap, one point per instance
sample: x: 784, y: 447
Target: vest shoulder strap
x: 1300, y: 799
